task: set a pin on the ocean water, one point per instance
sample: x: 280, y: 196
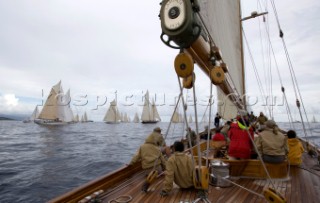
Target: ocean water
x: 38, y: 163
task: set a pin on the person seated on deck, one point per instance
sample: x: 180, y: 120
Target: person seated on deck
x: 272, y: 144
x: 261, y: 120
x: 218, y: 136
x: 150, y: 156
x: 192, y: 135
x: 179, y: 169
x: 157, y: 136
x: 295, y: 148
x: 204, y: 134
x: 218, y: 143
x: 240, y: 145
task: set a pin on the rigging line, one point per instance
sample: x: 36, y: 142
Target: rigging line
x: 258, y: 153
x: 291, y: 69
x: 197, y: 132
x: 298, y: 90
x: 209, y: 129
x: 196, y: 119
x: 240, y: 186
x: 280, y: 79
x: 167, y: 132
x: 263, y: 64
x: 267, y: 71
x: 255, y: 69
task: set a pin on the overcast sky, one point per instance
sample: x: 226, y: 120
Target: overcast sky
x: 99, y: 47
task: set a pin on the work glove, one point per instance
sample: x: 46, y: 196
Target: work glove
x: 163, y: 193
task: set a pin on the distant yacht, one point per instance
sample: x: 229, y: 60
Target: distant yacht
x: 56, y: 110
x: 33, y: 116
x: 136, y: 118
x: 149, y: 113
x: 113, y: 115
x: 84, y: 118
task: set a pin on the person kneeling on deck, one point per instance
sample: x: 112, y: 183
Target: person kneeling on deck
x: 272, y: 144
x: 179, y: 169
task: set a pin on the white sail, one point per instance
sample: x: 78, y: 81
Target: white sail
x: 190, y: 119
x: 176, y: 117
x: 113, y: 114
x: 136, y: 118
x: 85, y: 117
x: 57, y: 107
x: 227, y: 37
x: 68, y: 114
x: 149, y: 113
x: 34, y: 114
x: 76, y: 118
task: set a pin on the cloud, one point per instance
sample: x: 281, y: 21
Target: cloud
x: 96, y: 47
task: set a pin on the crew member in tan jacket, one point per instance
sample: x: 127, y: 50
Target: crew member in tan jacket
x: 150, y: 155
x: 272, y: 144
x: 179, y: 169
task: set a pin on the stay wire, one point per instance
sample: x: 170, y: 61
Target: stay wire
x: 293, y: 75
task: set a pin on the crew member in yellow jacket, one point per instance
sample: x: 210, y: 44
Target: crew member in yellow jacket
x: 150, y: 155
x: 179, y: 169
x: 295, y: 148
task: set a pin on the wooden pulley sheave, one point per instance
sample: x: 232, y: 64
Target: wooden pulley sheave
x: 217, y: 75
x: 188, y: 81
x: 273, y: 196
x: 184, y: 65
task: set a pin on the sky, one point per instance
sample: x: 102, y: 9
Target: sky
x: 102, y: 50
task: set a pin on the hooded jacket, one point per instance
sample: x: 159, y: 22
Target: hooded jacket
x: 295, y: 151
x: 148, y: 153
x: 272, y: 144
x: 240, y: 143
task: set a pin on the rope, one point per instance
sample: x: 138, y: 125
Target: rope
x: 127, y: 198
x: 209, y: 129
x: 226, y: 178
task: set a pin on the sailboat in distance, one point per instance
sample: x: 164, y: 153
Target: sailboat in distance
x: 113, y: 115
x: 56, y: 110
x: 33, y: 116
x: 136, y: 118
x: 149, y: 113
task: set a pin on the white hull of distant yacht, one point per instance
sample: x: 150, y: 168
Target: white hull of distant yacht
x: 51, y: 122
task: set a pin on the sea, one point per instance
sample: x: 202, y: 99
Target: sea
x: 39, y: 163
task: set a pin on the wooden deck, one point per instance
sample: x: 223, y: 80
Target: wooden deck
x: 302, y: 185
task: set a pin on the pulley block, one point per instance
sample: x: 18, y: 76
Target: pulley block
x: 217, y: 75
x: 188, y: 82
x: 201, y: 178
x: 272, y: 196
x: 184, y: 65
